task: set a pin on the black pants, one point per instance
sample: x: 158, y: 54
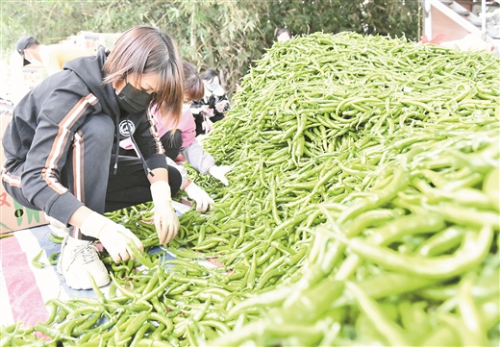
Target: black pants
x: 88, y: 173
x: 171, y: 142
x: 130, y: 186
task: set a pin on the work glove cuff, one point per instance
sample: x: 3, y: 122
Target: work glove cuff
x: 160, y: 191
x: 94, y: 224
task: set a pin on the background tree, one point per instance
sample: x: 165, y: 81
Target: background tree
x: 225, y: 34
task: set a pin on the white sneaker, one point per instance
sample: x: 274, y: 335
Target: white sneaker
x: 77, y: 259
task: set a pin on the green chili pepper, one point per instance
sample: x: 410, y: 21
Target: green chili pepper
x: 473, y: 252
x: 36, y: 263
x: 386, y: 327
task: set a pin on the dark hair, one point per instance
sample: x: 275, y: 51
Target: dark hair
x: 282, y: 31
x: 209, y: 74
x: 26, y: 42
x: 148, y: 50
x: 32, y: 42
x: 193, y: 84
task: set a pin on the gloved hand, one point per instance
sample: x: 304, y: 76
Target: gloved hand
x: 207, y: 110
x: 203, y: 200
x: 220, y: 106
x: 219, y: 172
x: 166, y: 221
x: 207, y: 125
x: 113, y: 236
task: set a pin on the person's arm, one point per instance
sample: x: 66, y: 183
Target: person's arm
x: 196, y: 106
x: 223, y: 104
x: 205, y: 163
x: 148, y: 141
x: 58, y: 119
x: 62, y: 113
x: 113, y: 236
x: 197, y: 157
x: 59, y: 115
x: 79, y: 216
x: 191, y: 148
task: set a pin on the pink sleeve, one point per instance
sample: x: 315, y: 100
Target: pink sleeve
x: 187, y: 128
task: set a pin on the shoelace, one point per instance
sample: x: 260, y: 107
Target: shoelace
x: 88, y: 252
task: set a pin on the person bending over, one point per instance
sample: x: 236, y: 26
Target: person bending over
x: 62, y: 144
x: 212, y: 107
x: 181, y: 139
x: 52, y: 57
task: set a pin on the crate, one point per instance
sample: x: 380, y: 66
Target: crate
x: 14, y: 216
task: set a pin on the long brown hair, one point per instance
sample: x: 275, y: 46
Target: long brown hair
x: 148, y: 50
x: 194, y: 89
x: 193, y: 84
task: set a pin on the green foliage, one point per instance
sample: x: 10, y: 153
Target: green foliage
x: 227, y: 35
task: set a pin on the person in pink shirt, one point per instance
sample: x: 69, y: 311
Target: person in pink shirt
x: 181, y: 139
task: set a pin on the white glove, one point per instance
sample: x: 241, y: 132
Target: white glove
x: 203, y: 200
x: 113, y: 236
x: 219, y: 172
x: 220, y: 106
x: 207, y: 125
x: 166, y: 221
x: 207, y: 110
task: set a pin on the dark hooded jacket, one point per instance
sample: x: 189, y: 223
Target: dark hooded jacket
x: 45, y: 121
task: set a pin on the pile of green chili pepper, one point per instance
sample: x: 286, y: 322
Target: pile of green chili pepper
x: 363, y: 209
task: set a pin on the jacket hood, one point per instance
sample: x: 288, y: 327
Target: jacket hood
x: 90, y: 70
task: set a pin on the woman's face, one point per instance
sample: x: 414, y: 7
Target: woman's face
x: 135, y: 93
x: 29, y: 56
x: 214, y: 80
x: 283, y: 37
x: 149, y: 83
